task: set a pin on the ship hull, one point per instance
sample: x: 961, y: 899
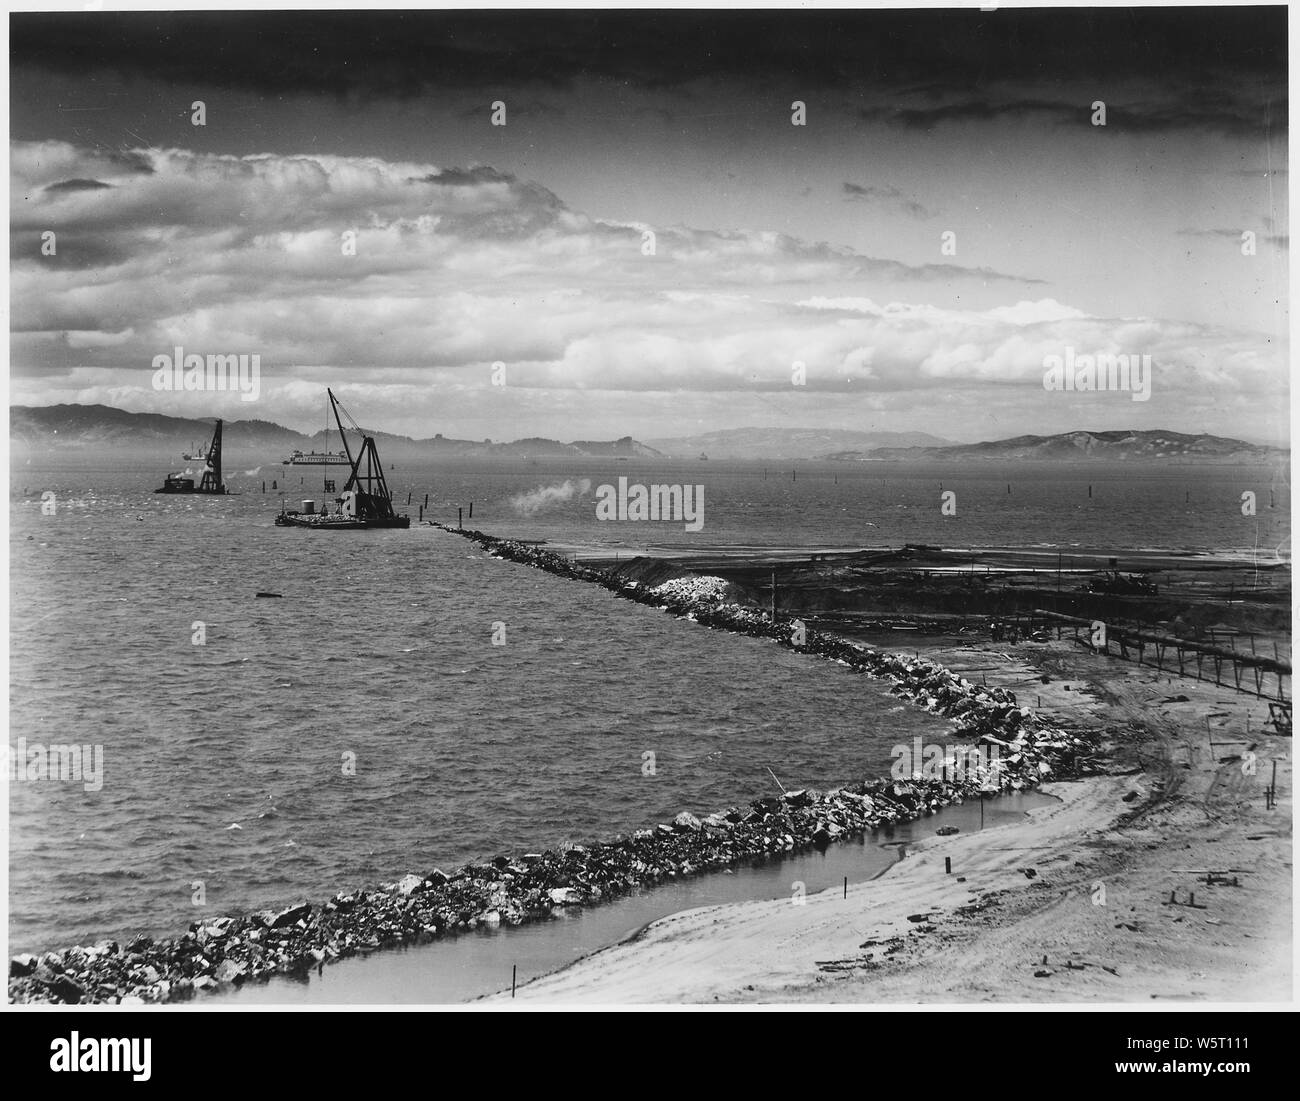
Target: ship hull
x: 314, y: 522
x: 315, y: 460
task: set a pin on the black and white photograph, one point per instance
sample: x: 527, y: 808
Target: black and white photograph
x: 556, y: 508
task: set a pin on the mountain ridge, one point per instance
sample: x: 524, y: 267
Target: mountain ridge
x: 73, y: 427
x: 70, y: 426
x: 786, y: 443
x: 1121, y: 445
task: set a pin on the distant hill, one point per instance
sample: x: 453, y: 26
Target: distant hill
x: 62, y: 428
x: 787, y: 443
x: 627, y: 447
x: 59, y: 426
x: 1153, y: 445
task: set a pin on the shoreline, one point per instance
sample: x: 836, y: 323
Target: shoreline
x: 532, y: 887
x: 1166, y: 879
x: 462, y: 969
x: 691, y: 957
x: 639, y: 933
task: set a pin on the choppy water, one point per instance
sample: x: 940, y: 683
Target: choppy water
x: 885, y: 504
x: 382, y: 647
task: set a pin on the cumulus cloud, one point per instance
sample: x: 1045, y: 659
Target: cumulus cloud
x: 425, y: 275
x: 342, y: 260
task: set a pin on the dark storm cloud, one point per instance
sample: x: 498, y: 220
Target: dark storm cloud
x: 532, y: 110
x: 924, y: 118
x: 1221, y: 113
x: 1228, y: 55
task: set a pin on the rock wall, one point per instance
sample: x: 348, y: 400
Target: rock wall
x: 535, y: 886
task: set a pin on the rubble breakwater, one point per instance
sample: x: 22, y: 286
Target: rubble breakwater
x: 536, y: 886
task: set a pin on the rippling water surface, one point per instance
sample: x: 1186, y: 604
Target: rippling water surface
x: 225, y: 762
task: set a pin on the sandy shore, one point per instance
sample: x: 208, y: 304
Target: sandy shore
x: 1084, y: 884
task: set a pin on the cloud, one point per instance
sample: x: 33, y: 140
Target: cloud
x: 406, y: 54
x: 976, y: 110
x: 465, y: 177
x: 885, y: 196
x: 311, y: 258
x: 1281, y: 240
x: 77, y: 185
x: 1131, y: 107
x: 424, y: 276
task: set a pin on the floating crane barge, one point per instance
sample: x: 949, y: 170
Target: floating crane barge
x: 210, y: 483
x: 366, y: 502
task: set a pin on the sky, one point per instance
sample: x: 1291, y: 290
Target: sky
x: 650, y: 245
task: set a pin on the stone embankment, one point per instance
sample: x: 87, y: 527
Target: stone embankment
x: 535, y: 886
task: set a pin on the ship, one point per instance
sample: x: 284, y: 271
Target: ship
x: 209, y: 483
x: 365, y: 502
x: 194, y: 456
x: 316, y: 458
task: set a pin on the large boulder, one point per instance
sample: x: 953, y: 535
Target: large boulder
x: 409, y: 884
x: 291, y: 916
